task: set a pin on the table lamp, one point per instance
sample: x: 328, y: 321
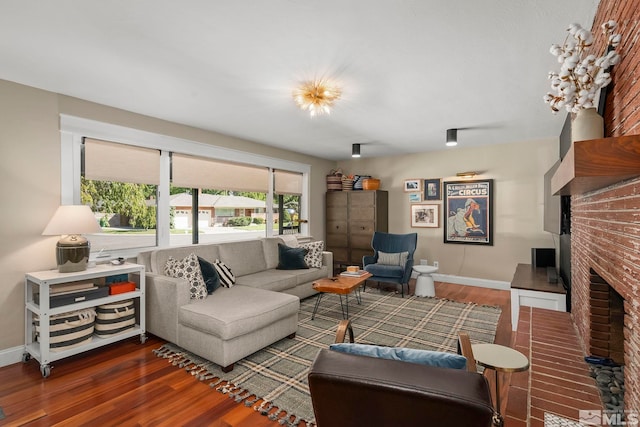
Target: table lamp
x: 72, y: 250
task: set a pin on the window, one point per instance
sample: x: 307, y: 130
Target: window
x: 120, y: 182
x: 231, y: 196
x: 287, y: 192
x: 191, y: 190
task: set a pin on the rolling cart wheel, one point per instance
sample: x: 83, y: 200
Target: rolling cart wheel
x: 26, y: 357
x: 45, y: 370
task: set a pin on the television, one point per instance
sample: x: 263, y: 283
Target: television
x: 552, y: 207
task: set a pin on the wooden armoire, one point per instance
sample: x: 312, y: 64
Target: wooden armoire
x: 352, y: 217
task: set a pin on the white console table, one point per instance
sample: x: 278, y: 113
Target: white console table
x: 39, y: 282
x: 530, y: 288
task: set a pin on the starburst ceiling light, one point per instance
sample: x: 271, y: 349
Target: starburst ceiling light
x: 317, y: 96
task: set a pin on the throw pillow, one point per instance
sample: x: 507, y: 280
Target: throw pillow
x: 313, y: 258
x: 209, y: 274
x: 388, y: 259
x: 396, y: 258
x: 189, y: 269
x: 227, y: 278
x: 422, y: 357
x: 291, y: 258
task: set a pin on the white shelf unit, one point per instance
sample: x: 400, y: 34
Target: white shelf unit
x: 41, y: 281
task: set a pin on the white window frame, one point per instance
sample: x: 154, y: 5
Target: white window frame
x: 73, y: 129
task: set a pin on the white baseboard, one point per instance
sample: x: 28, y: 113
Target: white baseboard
x: 10, y: 356
x: 472, y: 281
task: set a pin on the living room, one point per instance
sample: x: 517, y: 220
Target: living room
x: 31, y: 138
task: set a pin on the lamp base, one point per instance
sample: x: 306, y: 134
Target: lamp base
x: 72, y: 256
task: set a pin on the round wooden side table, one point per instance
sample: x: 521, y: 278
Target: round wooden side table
x: 499, y: 358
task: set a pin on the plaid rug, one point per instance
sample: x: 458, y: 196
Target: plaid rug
x: 274, y: 379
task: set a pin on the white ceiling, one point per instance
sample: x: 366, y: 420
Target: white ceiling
x: 409, y: 69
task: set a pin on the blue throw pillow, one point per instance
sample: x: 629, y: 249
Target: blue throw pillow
x: 423, y: 357
x: 291, y: 258
x: 210, y: 275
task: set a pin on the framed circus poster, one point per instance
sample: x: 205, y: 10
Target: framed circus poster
x: 468, y: 207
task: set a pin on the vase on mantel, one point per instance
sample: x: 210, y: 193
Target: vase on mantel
x: 587, y: 124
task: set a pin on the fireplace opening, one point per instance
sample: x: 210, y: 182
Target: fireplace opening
x: 607, y: 320
x: 607, y: 342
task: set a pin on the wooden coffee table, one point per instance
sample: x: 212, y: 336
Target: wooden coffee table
x: 339, y: 285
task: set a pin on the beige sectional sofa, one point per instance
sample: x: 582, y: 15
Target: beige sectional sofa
x: 231, y: 323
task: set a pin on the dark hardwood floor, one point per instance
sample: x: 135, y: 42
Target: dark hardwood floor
x: 125, y: 384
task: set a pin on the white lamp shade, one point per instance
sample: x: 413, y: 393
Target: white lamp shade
x: 72, y: 219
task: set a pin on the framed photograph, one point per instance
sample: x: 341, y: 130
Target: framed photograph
x: 411, y: 185
x: 415, y: 197
x: 432, y: 189
x: 468, y: 209
x: 425, y: 216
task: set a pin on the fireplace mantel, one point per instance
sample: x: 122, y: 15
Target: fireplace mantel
x: 596, y: 163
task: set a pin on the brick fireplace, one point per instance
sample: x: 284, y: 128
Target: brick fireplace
x: 605, y: 252
x: 605, y: 223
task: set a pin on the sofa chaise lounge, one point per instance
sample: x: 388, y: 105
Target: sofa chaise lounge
x: 231, y: 323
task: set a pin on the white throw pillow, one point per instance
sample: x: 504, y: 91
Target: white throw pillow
x: 188, y: 268
x: 396, y: 258
x: 313, y: 258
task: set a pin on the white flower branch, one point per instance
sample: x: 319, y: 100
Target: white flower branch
x: 581, y: 75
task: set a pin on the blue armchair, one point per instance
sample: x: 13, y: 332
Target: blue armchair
x: 392, y: 260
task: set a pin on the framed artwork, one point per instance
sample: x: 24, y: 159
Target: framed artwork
x: 412, y: 185
x: 415, y: 197
x: 469, y: 212
x: 425, y: 216
x: 432, y: 189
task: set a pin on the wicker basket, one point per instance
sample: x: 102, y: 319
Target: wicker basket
x: 370, y: 184
x: 347, y: 184
x: 334, y: 182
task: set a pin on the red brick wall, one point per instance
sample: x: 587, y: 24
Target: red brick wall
x: 606, y: 223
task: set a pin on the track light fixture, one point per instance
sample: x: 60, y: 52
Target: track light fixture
x: 355, y: 150
x: 467, y: 175
x: 452, y: 137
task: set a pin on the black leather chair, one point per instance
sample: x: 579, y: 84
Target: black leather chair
x: 349, y: 390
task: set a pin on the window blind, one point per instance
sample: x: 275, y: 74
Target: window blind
x: 198, y: 172
x: 110, y: 161
x: 287, y: 182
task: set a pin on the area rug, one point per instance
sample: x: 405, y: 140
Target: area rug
x: 274, y: 380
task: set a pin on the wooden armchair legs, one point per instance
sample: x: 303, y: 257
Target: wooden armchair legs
x: 343, y: 327
x: 464, y: 348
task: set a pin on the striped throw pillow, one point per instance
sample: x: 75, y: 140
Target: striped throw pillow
x: 227, y: 278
